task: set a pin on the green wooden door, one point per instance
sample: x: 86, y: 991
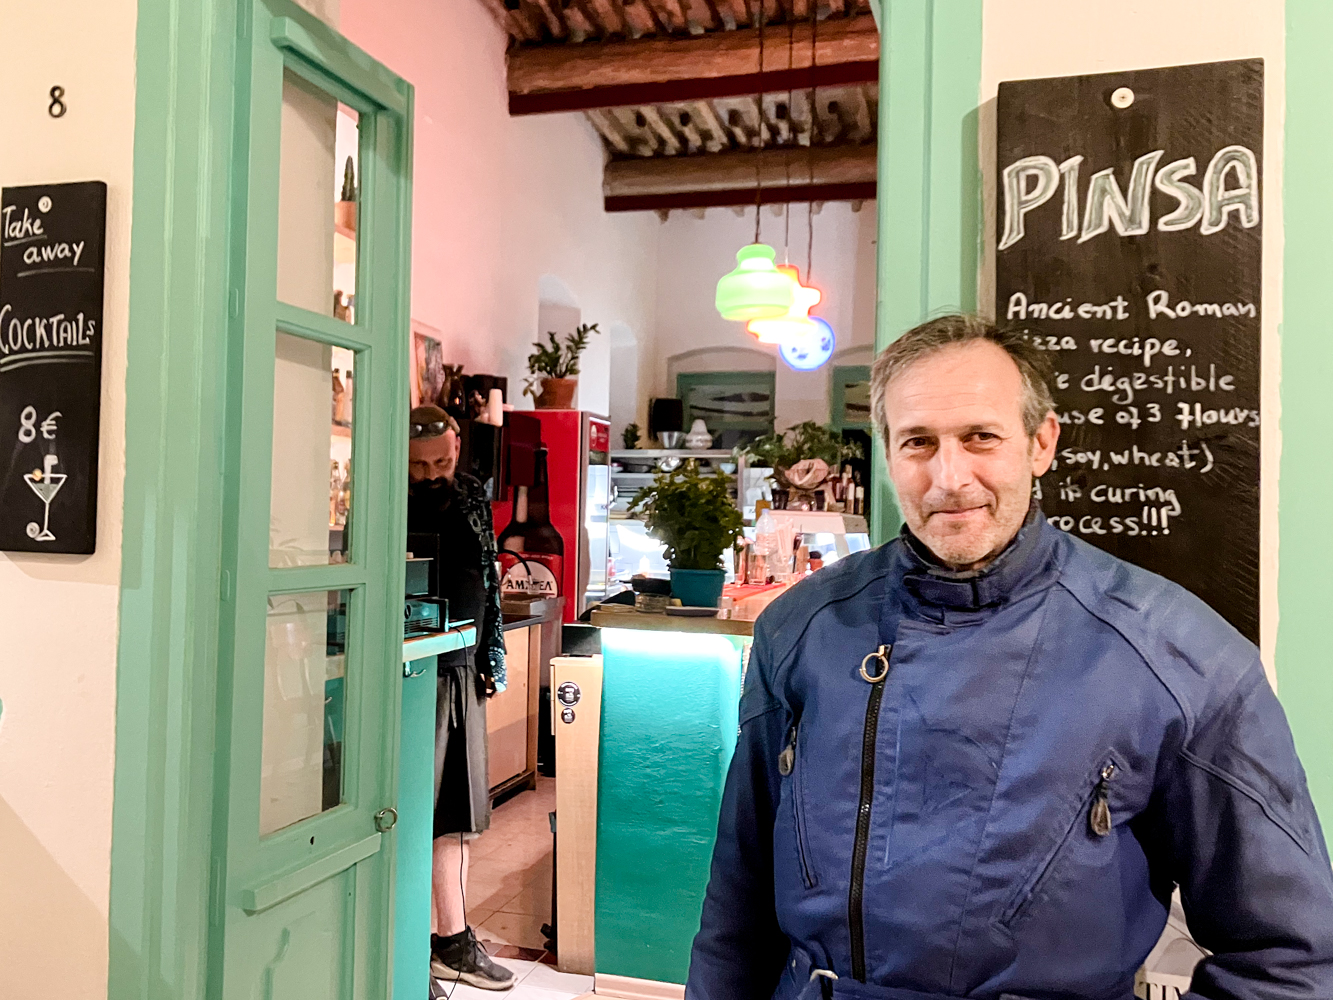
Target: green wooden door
x: 310, y: 649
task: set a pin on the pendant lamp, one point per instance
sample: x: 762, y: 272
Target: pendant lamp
x: 756, y: 289
x: 796, y: 321
x: 810, y: 349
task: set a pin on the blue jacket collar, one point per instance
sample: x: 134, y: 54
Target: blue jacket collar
x: 1027, y: 564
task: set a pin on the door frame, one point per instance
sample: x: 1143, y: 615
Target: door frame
x: 172, y: 581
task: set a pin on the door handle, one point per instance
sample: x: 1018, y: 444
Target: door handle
x: 386, y: 819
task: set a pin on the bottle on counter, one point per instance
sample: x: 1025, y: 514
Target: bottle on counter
x: 532, y: 553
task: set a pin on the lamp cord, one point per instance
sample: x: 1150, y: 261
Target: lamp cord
x: 814, y: 117
x: 759, y: 111
x: 786, y: 158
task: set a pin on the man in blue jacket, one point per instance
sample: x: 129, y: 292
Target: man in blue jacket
x: 977, y: 761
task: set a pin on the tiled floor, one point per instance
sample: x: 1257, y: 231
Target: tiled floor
x: 509, y: 898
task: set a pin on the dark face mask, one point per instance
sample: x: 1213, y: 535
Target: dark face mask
x: 432, y: 488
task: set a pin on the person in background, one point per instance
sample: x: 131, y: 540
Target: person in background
x: 451, y: 504
x: 977, y: 761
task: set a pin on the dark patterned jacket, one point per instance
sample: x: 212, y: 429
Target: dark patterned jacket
x: 433, y: 504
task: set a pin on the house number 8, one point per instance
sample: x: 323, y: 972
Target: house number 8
x: 57, y: 109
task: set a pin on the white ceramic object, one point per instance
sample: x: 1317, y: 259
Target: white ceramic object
x: 698, y: 439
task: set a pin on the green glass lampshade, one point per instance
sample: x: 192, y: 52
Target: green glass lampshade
x: 756, y: 289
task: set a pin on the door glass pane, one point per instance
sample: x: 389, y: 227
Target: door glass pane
x: 311, y: 493
x: 319, y: 190
x: 304, y: 700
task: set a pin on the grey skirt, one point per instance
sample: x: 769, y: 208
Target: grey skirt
x: 462, y: 789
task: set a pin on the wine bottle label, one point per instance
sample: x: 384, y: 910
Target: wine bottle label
x: 530, y: 574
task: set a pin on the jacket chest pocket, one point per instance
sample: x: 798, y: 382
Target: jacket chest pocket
x: 791, y: 769
x: 1093, y: 820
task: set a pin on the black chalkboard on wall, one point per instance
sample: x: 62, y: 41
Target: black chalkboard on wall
x: 1129, y: 239
x: 52, y: 245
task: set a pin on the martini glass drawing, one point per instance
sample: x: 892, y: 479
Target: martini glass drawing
x: 46, y: 484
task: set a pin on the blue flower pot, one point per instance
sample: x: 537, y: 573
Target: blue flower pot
x: 698, y: 588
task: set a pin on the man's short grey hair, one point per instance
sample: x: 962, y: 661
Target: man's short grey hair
x: 948, y: 331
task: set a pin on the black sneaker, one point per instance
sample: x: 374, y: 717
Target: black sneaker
x: 462, y: 959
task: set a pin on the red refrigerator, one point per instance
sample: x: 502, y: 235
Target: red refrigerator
x: 578, y: 455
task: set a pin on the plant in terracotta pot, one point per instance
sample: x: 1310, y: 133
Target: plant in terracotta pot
x: 802, y: 457
x: 695, y: 517
x: 553, y: 368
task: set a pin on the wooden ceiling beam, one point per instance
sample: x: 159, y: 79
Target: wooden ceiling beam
x: 840, y: 173
x: 609, y: 129
x: 518, y: 23
x: 548, y: 78
x: 554, y: 22
x: 610, y: 15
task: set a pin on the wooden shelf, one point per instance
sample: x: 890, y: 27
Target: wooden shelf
x: 647, y: 454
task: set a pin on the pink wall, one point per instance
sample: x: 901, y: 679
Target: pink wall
x: 501, y: 201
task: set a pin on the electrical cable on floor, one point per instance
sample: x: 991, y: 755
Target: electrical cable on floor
x: 462, y: 857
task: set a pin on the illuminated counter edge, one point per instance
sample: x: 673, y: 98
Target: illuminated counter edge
x: 440, y: 642
x: 627, y: 617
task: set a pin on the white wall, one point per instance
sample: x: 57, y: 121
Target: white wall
x: 58, y: 614
x: 1038, y: 38
x: 500, y: 201
x: 694, y: 253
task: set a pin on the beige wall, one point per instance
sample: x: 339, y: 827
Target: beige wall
x: 1038, y: 38
x: 58, y: 614
x: 501, y: 202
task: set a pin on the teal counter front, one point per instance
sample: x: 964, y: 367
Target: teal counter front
x: 669, y: 721
x: 416, y: 806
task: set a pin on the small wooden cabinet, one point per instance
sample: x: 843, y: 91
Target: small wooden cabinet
x: 532, y: 637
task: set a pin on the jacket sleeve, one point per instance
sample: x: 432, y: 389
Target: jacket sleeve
x: 739, y: 951
x: 490, y: 637
x: 1249, y: 855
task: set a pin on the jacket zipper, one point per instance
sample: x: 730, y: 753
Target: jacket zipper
x: 855, y: 895
x: 787, y: 768
x: 1095, y: 811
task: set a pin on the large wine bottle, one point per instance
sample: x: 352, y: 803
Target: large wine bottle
x: 532, y: 553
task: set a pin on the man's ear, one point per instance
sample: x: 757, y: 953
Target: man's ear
x: 1043, y: 444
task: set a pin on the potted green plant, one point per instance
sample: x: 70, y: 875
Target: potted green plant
x: 803, y: 456
x: 630, y: 436
x: 695, y: 517
x: 553, y: 368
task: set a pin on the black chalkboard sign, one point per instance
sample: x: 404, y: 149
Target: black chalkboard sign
x: 1129, y: 245
x: 52, y: 245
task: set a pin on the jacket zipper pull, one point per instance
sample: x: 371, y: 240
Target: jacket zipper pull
x: 1099, y: 819
x: 787, y: 758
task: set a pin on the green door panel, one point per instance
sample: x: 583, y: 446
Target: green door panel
x: 301, y: 950
x: 310, y: 636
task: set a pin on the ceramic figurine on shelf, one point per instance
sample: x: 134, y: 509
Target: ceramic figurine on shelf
x: 335, y: 491
x: 452, y: 397
x: 340, y: 408
x: 699, y: 437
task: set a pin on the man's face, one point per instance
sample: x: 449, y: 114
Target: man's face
x: 433, y: 457
x: 959, y: 457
